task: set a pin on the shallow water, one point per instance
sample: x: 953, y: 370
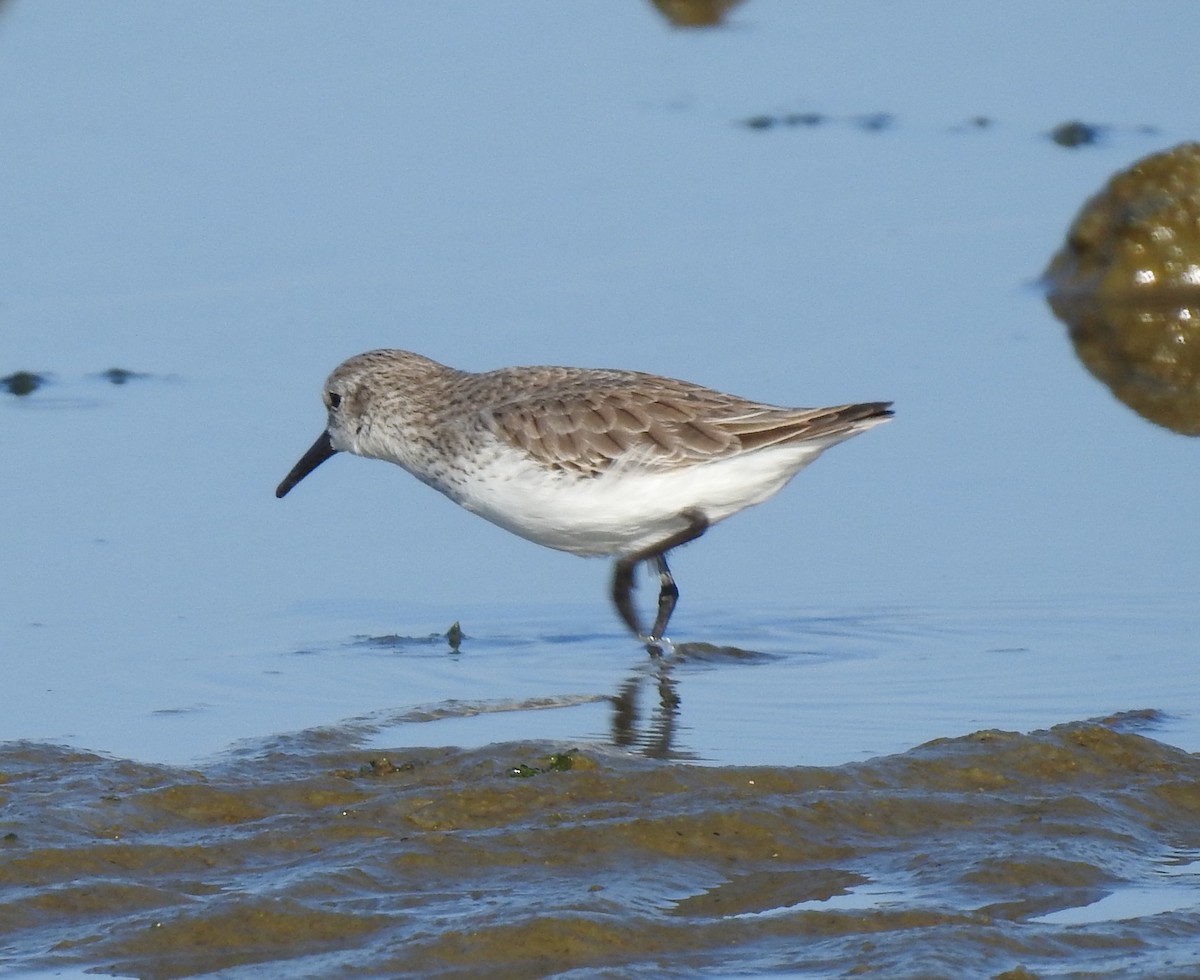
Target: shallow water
x: 812, y: 205
x: 693, y: 814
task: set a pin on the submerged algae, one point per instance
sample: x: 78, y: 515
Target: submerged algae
x: 438, y: 863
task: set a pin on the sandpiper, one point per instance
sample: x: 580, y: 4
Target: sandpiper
x: 595, y: 462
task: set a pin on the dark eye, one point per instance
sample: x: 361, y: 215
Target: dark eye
x: 334, y: 399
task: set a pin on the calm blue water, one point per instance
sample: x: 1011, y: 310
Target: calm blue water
x: 234, y: 199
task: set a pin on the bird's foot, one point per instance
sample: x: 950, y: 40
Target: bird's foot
x: 657, y: 646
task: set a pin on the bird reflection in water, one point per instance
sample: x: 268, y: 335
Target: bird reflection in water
x: 655, y: 741
x: 656, y: 737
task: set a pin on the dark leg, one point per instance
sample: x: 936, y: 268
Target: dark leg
x: 622, y: 594
x: 668, y: 593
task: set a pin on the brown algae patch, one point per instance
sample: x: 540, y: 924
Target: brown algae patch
x: 695, y: 13
x: 526, y: 859
x: 1127, y: 285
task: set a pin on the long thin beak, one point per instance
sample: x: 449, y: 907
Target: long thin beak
x: 317, y: 453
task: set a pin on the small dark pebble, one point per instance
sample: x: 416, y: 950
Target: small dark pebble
x: 23, y: 382
x: 120, y: 376
x: 1075, y: 133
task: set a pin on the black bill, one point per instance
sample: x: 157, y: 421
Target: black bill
x: 317, y: 453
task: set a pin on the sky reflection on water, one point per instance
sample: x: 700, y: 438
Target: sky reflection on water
x: 234, y: 211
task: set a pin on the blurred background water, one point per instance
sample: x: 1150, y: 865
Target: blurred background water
x: 230, y: 200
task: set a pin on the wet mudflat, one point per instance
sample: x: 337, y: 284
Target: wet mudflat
x: 308, y: 855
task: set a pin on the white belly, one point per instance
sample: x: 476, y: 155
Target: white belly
x: 623, y: 511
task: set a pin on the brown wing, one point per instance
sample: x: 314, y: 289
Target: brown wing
x: 612, y: 418
x: 772, y: 426
x: 589, y: 432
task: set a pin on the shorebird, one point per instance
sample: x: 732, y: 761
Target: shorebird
x: 590, y: 461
